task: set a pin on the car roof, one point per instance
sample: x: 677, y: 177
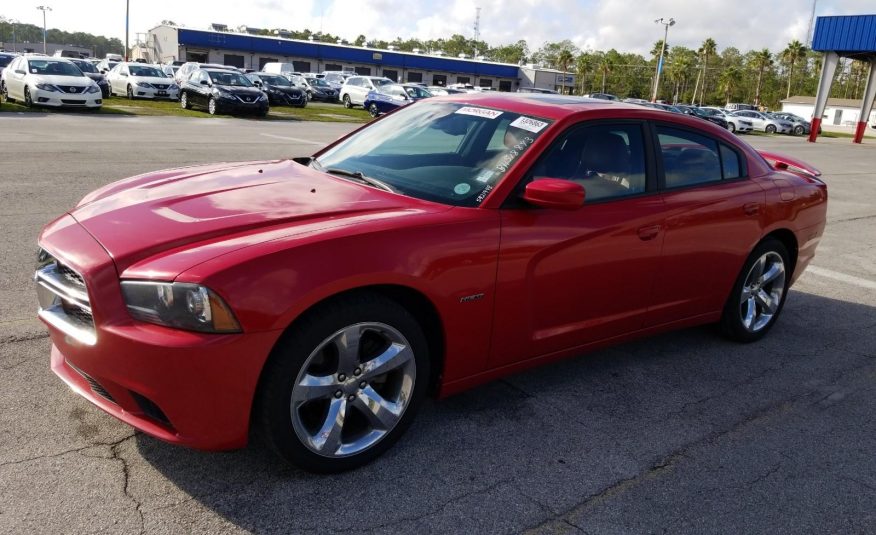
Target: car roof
x: 550, y: 106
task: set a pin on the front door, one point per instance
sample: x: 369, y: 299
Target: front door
x: 569, y: 278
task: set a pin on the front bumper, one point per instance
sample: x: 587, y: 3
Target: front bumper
x: 234, y: 105
x: 66, y: 100
x: 147, y: 92
x: 186, y: 388
x: 284, y: 99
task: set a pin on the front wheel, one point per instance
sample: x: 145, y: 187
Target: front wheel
x: 771, y: 129
x: 344, y: 384
x: 184, y: 101
x: 731, y: 127
x: 798, y: 130
x: 212, y: 107
x: 4, y: 93
x: 373, y: 111
x: 347, y: 102
x: 130, y: 93
x: 759, y: 294
x: 28, y: 100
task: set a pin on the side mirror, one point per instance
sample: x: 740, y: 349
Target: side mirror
x: 123, y: 75
x: 205, y: 82
x: 554, y: 193
x: 257, y: 84
x: 19, y: 71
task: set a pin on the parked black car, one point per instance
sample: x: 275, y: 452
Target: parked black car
x: 321, y: 90
x: 223, y: 91
x: 696, y: 112
x: 279, y: 89
x: 89, y: 70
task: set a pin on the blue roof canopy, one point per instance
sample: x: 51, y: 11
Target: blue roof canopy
x: 324, y: 51
x: 847, y: 34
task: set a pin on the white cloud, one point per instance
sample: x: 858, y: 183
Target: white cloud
x: 596, y: 24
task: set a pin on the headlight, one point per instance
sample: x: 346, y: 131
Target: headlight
x: 173, y: 87
x: 47, y: 87
x: 93, y: 88
x: 183, y: 306
x: 262, y: 97
x: 143, y: 84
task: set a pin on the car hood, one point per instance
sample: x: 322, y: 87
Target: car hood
x: 285, y: 89
x: 66, y: 81
x: 142, y: 216
x: 242, y: 91
x: 96, y: 76
x: 153, y: 80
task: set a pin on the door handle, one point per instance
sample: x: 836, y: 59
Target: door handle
x: 751, y: 208
x: 648, y: 233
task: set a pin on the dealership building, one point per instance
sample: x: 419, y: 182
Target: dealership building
x: 247, y: 50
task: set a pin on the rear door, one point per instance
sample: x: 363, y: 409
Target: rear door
x: 567, y: 278
x: 713, y: 220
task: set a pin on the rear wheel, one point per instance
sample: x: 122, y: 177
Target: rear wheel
x: 212, y: 107
x: 373, y: 111
x: 771, y: 129
x: 347, y: 102
x: 343, y: 386
x: 28, y: 101
x: 798, y: 130
x: 759, y: 294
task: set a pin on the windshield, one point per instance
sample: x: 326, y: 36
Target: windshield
x: 446, y: 152
x: 415, y: 91
x: 381, y: 81
x: 275, y: 80
x: 85, y: 66
x: 53, y: 68
x: 229, y: 78
x: 149, y: 72
x: 319, y: 82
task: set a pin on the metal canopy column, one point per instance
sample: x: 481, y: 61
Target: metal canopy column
x: 867, y: 105
x: 831, y: 59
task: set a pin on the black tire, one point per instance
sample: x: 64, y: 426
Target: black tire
x: 731, y: 127
x: 373, y: 111
x: 272, y: 419
x: 799, y: 130
x: 732, y: 322
x: 4, y: 93
x: 770, y: 129
x: 184, y: 101
x: 130, y: 92
x: 264, y: 113
x: 303, y: 104
x: 28, y: 100
x: 212, y: 106
x: 347, y: 102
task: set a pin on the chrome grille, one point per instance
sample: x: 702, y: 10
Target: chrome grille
x: 63, y: 299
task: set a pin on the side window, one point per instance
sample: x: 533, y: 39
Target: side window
x: 607, y: 160
x: 688, y: 158
x: 730, y: 163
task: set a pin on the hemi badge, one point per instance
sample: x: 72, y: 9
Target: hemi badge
x: 470, y: 298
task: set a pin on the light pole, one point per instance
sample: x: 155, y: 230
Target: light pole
x: 666, y: 24
x: 44, y: 9
x: 13, y: 22
x: 127, y: 18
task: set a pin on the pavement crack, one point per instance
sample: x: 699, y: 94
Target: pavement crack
x: 15, y: 338
x: 126, y: 473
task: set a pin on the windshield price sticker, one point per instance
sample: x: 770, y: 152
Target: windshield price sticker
x: 527, y: 123
x: 508, y: 158
x: 479, y: 112
x: 484, y: 176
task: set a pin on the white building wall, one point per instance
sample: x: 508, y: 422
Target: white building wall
x: 833, y: 115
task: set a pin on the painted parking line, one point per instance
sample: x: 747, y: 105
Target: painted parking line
x: 842, y: 277
x: 295, y: 139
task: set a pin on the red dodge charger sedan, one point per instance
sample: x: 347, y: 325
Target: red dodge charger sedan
x: 319, y: 300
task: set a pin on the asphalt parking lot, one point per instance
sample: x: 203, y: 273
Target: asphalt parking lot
x: 682, y: 433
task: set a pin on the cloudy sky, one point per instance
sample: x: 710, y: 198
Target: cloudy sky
x: 627, y: 25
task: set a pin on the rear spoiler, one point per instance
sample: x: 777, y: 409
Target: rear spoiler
x: 782, y: 163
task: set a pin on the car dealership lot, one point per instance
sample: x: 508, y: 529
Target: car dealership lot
x: 683, y: 432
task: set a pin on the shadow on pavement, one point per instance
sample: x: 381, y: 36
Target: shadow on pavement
x: 517, y: 452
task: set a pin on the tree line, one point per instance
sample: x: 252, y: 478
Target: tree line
x: 33, y: 35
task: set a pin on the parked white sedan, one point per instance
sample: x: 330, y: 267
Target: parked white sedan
x: 141, y: 80
x: 736, y: 124
x: 49, y: 81
x: 764, y: 123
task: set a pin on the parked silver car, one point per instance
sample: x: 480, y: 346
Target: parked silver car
x: 765, y: 123
x: 739, y: 125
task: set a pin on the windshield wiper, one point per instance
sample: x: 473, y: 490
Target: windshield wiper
x: 360, y: 177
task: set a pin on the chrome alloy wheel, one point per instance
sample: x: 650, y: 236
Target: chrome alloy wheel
x: 353, y: 389
x: 762, y: 291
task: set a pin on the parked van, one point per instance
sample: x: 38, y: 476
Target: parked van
x: 279, y: 68
x: 62, y: 53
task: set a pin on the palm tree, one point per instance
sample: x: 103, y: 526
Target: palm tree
x: 728, y: 80
x: 709, y: 48
x: 582, y: 66
x: 678, y: 71
x: 762, y: 61
x: 605, y: 67
x: 564, y: 60
x: 790, y: 55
